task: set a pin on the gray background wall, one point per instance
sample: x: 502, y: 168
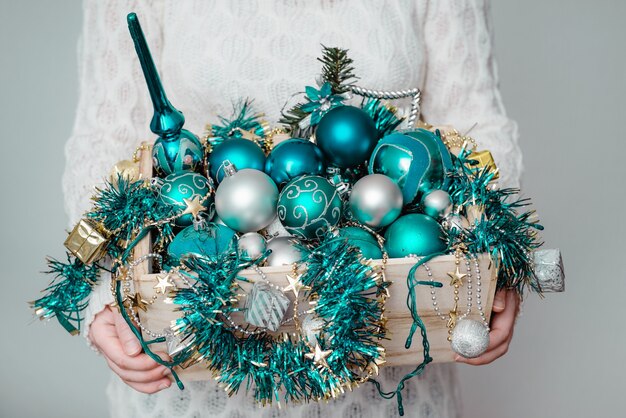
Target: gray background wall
x: 563, y: 77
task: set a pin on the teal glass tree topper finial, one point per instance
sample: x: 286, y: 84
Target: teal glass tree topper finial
x: 176, y: 149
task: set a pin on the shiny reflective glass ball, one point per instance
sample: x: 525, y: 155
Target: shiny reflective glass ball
x: 293, y: 158
x: 346, y: 135
x: 414, y: 234
x: 242, y: 153
x: 181, y: 152
x: 177, y: 187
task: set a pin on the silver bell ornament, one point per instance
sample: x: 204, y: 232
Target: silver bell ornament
x: 284, y: 252
x: 470, y: 338
x: 376, y: 200
x: 436, y: 203
x: 246, y: 200
x: 251, y: 246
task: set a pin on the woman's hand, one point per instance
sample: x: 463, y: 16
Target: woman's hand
x: 122, y: 351
x: 505, y: 308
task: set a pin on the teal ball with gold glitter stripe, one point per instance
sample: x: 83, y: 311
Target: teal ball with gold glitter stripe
x: 414, y: 234
x: 308, y: 206
x: 180, y: 152
x: 178, y: 187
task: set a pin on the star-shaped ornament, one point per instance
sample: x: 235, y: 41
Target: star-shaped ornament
x: 163, y: 284
x: 137, y: 302
x: 456, y: 277
x: 319, y: 356
x: 295, y: 285
x: 194, y: 206
x: 122, y: 273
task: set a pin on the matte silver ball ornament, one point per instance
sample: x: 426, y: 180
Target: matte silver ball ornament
x: 251, y: 246
x: 284, y: 253
x: 376, y: 200
x: 437, y: 203
x: 470, y: 338
x: 246, y: 200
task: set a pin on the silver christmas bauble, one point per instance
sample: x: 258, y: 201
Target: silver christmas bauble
x: 455, y: 221
x: 246, y: 200
x: 470, y: 338
x: 437, y: 203
x: 376, y: 200
x: 284, y: 253
x: 251, y: 246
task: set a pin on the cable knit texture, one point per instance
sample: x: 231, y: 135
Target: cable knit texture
x: 211, y: 53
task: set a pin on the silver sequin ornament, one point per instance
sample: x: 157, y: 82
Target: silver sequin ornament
x: 470, y: 338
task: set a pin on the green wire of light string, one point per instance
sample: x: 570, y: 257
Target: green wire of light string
x: 411, y: 302
x: 169, y: 364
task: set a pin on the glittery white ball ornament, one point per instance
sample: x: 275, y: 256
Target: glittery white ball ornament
x: 470, y: 338
x: 251, y: 246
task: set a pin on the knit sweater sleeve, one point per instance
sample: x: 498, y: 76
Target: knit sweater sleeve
x: 112, y: 110
x: 461, y: 81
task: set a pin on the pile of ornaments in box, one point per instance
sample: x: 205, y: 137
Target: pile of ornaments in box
x: 349, y: 179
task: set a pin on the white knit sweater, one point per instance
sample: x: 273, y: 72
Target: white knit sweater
x: 210, y: 53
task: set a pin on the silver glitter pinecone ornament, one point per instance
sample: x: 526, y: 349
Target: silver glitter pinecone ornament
x: 470, y: 338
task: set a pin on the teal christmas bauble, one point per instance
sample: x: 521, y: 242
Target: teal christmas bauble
x: 363, y: 240
x: 414, y: 234
x: 184, y: 188
x: 346, y: 135
x: 179, y: 152
x: 292, y: 158
x: 308, y: 206
x: 246, y: 200
x: 416, y: 160
x: 242, y: 153
x: 207, y: 240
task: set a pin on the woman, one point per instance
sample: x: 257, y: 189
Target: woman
x: 210, y: 54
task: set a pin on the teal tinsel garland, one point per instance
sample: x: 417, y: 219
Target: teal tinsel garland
x: 242, y: 119
x: 66, y: 296
x: 125, y: 208
x: 383, y: 114
x: 505, y: 231
x: 276, y: 368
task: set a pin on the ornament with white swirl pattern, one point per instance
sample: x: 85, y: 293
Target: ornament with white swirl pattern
x: 189, y: 192
x: 308, y: 206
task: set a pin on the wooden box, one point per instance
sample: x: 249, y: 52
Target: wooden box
x: 159, y: 315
